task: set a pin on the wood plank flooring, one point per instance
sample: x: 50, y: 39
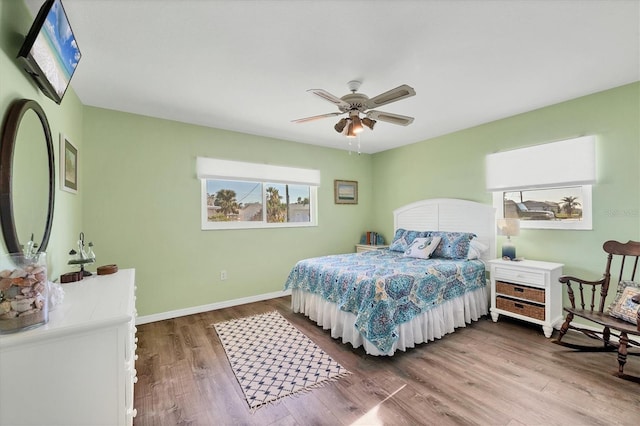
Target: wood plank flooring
x: 504, y: 373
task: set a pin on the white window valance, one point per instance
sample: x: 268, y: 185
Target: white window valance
x: 569, y: 162
x: 213, y: 168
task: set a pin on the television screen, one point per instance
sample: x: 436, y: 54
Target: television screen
x: 50, y: 53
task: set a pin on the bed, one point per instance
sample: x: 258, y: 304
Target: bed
x: 386, y: 301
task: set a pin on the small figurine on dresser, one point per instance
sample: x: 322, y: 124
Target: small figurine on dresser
x: 80, y: 257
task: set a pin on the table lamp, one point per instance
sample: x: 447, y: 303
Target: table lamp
x: 509, y: 227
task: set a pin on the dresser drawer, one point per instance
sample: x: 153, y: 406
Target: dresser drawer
x: 534, y: 278
x: 520, y: 291
x: 519, y: 307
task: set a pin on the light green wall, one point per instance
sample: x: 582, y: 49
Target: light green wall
x: 453, y: 166
x: 142, y: 210
x: 15, y: 21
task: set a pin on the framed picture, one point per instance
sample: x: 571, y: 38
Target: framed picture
x: 345, y: 191
x: 68, y: 165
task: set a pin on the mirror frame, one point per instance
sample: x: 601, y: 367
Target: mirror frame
x: 7, y: 148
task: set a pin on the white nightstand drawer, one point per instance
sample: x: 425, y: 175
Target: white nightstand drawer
x: 533, y: 278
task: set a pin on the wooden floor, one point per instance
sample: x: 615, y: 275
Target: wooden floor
x: 504, y: 373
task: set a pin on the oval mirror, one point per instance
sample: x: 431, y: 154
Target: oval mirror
x: 27, y: 177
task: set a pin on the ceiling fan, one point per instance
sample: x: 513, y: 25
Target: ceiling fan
x: 353, y: 104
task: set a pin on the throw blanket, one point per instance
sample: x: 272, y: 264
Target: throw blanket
x: 384, y: 288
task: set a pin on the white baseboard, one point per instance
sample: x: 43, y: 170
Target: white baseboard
x: 210, y: 307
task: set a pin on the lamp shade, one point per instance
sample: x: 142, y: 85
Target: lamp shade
x: 340, y: 125
x: 508, y: 227
x: 350, y: 132
x: 357, y: 125
x: 369, y: 122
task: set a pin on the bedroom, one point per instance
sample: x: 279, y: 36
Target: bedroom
x: 139, y: 199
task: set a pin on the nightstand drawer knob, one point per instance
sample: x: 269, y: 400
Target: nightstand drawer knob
x: 518, y: 289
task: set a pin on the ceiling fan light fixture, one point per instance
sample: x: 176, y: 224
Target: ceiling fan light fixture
x: 354, y: 104
x: 369, y: 122
x: 340, y: 125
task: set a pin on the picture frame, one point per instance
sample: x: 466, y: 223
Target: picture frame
x: 68, y: 165
x: 345, y: 191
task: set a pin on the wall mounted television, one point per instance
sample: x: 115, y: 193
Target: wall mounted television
x: 50, y: 53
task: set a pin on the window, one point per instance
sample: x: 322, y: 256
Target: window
x: 545, y: 186
x: 238, y: 195
x: 548, y: 208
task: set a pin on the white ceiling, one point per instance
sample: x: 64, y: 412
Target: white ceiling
x: 246, y: 65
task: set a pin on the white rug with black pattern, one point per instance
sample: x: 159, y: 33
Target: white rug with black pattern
x: 272, y: 359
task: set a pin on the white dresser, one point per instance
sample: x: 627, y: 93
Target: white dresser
x: 79, y: 369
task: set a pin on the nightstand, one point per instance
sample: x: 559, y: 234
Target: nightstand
x: 528, y: 290
x: 368, y: 247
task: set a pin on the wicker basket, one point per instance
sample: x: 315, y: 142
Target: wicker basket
x: 520, y: 291
x: 520, y: 307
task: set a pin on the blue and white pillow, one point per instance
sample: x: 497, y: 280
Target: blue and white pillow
x: 454, y: 245
x: 421, y: 248
x: 403, y: 239
x: 622, y: 286
x: 625, y: 307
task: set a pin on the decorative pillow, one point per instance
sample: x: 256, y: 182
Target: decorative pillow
x: 625, y: 307
x: 454, y: 245
x: 422, y: 248
x: 403, y: 239
x: 622, y: 285
x: 476, y: 248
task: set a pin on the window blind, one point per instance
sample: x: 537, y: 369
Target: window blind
x: 569, y: 162
x: 213, y: 168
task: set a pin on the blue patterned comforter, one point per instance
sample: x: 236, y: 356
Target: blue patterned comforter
x: 384, y: 288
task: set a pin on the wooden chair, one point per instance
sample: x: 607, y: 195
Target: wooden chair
x: 593, y: 307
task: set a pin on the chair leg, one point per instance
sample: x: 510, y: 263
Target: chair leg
x: 622, y: 353
x: 606, y: 336
x: 565, y: 327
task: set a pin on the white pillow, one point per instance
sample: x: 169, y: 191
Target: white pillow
x: 476, y: 248
x: 422, y: 248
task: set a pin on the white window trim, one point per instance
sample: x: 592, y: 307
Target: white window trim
x: 583, y: 225
x: 216, y: 169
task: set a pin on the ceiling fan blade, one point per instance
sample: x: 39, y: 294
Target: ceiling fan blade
x: 392, y: 95
x: 401, y: 120
x: 329, y: 97
x: 316, y: 117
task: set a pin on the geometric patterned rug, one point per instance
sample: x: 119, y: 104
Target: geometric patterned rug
x: 272, y: 359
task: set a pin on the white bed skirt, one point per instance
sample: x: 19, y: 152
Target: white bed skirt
x: 431, y: 325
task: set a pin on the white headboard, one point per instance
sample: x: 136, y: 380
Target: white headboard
x: 449, y: 214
